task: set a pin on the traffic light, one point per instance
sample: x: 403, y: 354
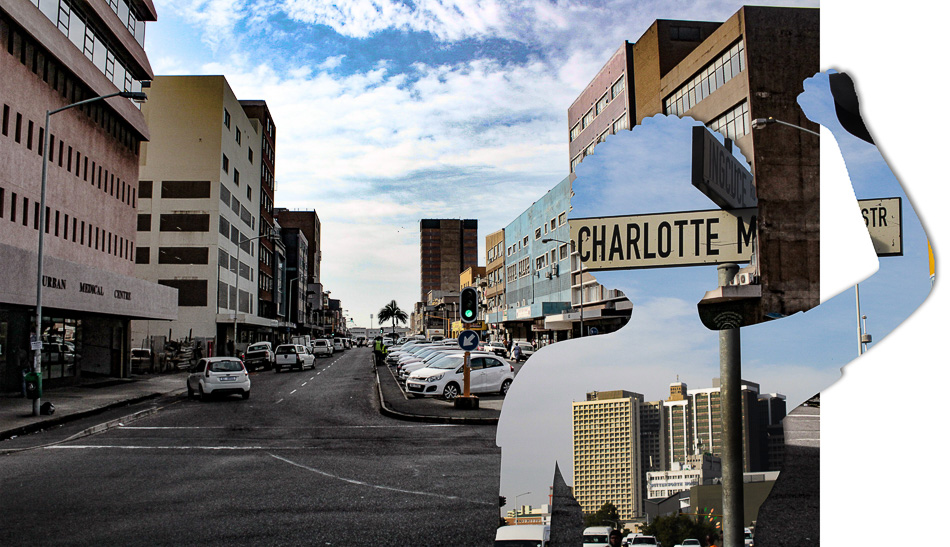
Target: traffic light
x: 469, y: 304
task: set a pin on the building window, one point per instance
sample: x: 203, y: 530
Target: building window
x: 237, y: 134
x: 184, y: 222
x: 576, y: 161
x: 588, y: 118
x: 734, y: 123
x: 183, y: 255
x: 620, y: 123
x: 561, y: 219
x: 713, y: 76
x: 575, y: 131
x: 141, y: 255
x: 186, y: 189
x: 537, y: 233
x: 227, y: 119
x: 145, y: 222
x: 225, y: 163
x: 684, y: 34
x: 602, y: 103
x: 617, y: 88
x: 237, y: 177
x: 191, y: 292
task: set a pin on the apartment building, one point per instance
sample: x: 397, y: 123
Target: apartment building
x: 56, y: 53
x: 447, y: 247
x: 308, y: 290
x: 199, y: 211
x: 495, y: 290
x: 725, y: 74
x: 607, y: 452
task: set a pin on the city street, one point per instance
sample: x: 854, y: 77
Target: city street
x: 307, y: 459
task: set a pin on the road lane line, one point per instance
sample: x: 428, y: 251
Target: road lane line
x: 303, y: 384
x: 278, y: 402
x: 294, y: 391
x: 377, y: 486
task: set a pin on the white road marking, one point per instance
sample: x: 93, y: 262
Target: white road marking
x: 303, y: 384
x: 278, y: 402
x: 380, y: 487
x: 299, y: 427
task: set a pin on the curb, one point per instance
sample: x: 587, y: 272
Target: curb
x: 388, y: 412
x: 53, y: 422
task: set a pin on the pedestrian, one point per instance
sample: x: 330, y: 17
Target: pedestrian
x: 378, y: 352
x: 198, y: 353
x: 615, y: 538
x: 230, y: 348
x: 516, y: 353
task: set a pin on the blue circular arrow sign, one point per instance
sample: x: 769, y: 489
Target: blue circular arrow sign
x: 468, y: 340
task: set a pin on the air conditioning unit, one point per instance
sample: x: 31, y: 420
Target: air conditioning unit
x: 745, y: 278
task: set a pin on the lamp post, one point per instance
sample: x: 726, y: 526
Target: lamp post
x: 581, y: 264
x: 47, y: 151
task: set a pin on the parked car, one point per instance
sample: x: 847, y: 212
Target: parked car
x: 497, y: 348
x: 218, y: 375
x: 259, y: 354
x: 523, y: 535
x: 645, y: 540
x: 293, y: 356
x: 527, y: 350
x: 337, y: 344
x: 445, y: 378
x: 596, y: 535
x: 690, y: 543
x: 321, y: 347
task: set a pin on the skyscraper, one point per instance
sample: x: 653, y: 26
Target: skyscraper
x: 447, y: 248
x: 608, y: 452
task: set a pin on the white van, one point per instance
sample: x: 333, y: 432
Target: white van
x: 523, y: 535
x: 595, y: 536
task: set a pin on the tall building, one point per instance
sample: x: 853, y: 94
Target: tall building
x: 199, y: 211
x: 725, y: 74
x: 258, y: 113
x: 447, y: 246
x: 309, y: 286
x: 495, y: 291
x: 56, y: 53
x: 607, y: 452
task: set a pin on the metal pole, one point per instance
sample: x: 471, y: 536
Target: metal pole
x: 730, y: 371
x: 857, y: 300
x: 467, y: 374
x: 581, y: 265
x: 237, y: 290
x: 38, y: 352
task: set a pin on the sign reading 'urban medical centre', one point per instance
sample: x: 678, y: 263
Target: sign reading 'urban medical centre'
x: 690, y: 238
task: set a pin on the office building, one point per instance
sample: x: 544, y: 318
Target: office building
x: 57, y: 53
x: 447, y: 247
x: 495, y: 291
x: 308, y: 288
x: 607, y: 452
x: 698, y: 469
x: 725, y: 74
x: 199, y: 212
x: 537, y: 273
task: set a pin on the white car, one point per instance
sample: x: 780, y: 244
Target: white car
x: 293, y: 356
x: 218, y: 375
x: 338, y: 344
x: 321, y: 347
x: 690, y: 543
x: 445, y: 378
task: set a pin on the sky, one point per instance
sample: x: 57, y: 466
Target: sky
x: 387, y: 114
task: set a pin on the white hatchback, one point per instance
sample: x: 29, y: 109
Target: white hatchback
x: 214, y: 375
x: 488, y: 374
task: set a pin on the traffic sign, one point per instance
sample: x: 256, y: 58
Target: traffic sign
x: 883, y: 220
x: 720, y: 175
x: 690, y: 238
x: 468, y: 340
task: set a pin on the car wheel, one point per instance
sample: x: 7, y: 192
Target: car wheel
x: 246, y: 394
x: 191, y: 392
x: 276, y: 368
x: 504, y: 387
x: 450, y: 391
x: 201, y: 393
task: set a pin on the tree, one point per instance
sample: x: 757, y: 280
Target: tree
x: 392, y: 312
x: 673, y: 529
x: 607, y: 515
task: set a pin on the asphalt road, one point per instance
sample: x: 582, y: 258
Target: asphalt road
x: 306, y: 460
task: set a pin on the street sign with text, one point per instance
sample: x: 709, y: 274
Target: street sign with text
x: 719, y: 174
x: 883, y: 220
x: 690, y: 238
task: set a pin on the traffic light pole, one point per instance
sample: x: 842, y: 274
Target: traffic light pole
x: 730, y: 372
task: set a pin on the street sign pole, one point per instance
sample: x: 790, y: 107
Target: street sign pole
x: 730, y: 372
x: 466, y: 375
x: 468, y: 341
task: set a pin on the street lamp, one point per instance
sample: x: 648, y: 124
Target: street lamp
x: 581, y: 263
x: 47, y: 149
x: 759, y: 123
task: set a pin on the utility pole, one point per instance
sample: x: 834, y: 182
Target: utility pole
x: 730, y: 372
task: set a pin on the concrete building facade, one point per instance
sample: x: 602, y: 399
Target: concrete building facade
x: 199, y: 211
x: 447, y: 247
x: 56, y: 53
x: 309, y: 288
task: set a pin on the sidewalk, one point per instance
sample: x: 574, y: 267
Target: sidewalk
x: 87, y: 398
x: 394, y: 404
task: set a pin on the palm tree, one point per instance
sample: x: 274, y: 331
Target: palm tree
x: 392, y: 312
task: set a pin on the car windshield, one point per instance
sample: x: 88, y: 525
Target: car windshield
x: 256, y: 347
x: 286, y: 349
x: 226, y: 366
x: 644, y: 541
x: 450, y: 362
x: 141, y: 352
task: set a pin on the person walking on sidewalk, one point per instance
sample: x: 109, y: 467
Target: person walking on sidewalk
x: 379, y: 352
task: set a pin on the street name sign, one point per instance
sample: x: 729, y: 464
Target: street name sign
x: 885, y: 225
x: 719, y: 174
x: 689, y: 238
x: 468, y: 340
